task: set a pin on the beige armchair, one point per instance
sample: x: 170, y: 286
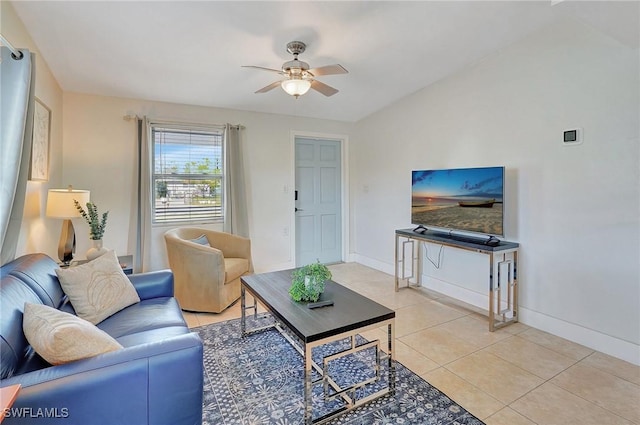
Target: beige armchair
x: 207, y: 278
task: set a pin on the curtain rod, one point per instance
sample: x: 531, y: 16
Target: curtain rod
x: 130, y: 117
x: 15, y: 53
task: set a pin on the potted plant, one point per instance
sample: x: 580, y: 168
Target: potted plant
x: 308, y: 282
x: 97, y: 227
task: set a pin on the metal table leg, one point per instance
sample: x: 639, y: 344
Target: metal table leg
x: 308, y: 396
x: 243, y: 316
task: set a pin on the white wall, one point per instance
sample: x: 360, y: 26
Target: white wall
x: 38, y: 233
x: 574, y: 210
x: 100, y: 155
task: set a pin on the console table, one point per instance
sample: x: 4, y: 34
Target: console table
x: 502, y: 312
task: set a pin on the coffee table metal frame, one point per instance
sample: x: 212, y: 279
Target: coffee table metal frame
x: 347, y: 394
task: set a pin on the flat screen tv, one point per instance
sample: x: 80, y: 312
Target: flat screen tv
x: 463, y: 199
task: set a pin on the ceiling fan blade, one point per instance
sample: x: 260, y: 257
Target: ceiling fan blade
x: 323, y: 88
x: 269, y: 87
x: 279, y: 71
x: 328, y: 70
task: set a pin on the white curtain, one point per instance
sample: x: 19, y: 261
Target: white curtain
x: 235, y: 203
x: 17, y: 78
x: 145, y: 161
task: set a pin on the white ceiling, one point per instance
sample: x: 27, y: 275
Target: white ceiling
x: 192, y: 52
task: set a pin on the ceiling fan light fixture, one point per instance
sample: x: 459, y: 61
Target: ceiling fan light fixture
x: 296, y: 86
x: 298, y: 77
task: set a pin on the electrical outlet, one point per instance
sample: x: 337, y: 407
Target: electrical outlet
x: 285, y: 231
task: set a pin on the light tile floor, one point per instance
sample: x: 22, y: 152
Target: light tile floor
x: 514, y: 376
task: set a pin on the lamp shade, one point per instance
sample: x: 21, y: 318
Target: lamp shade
x: 60, y: 202
x: 296, y: 86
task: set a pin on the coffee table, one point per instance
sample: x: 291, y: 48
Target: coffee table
x: 351, y: 314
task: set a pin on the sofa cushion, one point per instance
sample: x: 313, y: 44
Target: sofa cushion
x: 234, y: 268
x: 37, y: 272
x: 155, y: 313
x: 151, y: 336
x: 99, y: 288
x: 60, y: 337
x: 13, y: 344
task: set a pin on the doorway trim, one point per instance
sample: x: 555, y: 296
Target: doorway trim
x: 344, y: 151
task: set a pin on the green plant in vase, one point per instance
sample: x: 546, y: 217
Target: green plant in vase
x: 97, y: 227
x: 308, y: 282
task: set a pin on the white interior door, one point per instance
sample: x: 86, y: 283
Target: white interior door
x: 318, y: 201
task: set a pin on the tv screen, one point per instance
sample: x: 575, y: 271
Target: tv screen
x: 465, y: 199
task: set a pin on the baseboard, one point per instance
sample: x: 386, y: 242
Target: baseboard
x: 374, y: 264
x: 457, y: 292
x: 595, y: 340
x: 275, y: 267
x: 607, y: 344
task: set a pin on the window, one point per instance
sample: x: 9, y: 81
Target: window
x: 188, y: 174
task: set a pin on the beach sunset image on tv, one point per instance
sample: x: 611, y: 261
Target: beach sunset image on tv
x: 467, y: 199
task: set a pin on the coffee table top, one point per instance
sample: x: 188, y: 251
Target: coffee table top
x: 350, y: 310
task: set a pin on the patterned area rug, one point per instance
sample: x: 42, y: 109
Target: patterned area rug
x: 258, y: 380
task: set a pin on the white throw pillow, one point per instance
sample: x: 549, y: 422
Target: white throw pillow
x: 98, y: 289
x: 60, y: 337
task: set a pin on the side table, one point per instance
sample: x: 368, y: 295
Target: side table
x: 7, y: 396
x: 126, y: 261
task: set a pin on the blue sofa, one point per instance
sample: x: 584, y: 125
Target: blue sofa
x: 155, y: 379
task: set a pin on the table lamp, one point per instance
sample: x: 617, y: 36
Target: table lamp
x: 60, y: 205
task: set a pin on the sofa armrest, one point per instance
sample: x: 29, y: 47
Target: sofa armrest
x: 155, y: 383
x: 153, y: 284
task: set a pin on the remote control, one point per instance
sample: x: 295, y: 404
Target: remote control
x: 320, y: 304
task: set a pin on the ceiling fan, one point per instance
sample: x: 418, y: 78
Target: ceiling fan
x: 298, y: 77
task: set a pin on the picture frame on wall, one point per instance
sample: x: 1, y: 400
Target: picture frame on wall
x: 39, y: 170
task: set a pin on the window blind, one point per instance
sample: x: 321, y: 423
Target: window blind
x: 188, y: 174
